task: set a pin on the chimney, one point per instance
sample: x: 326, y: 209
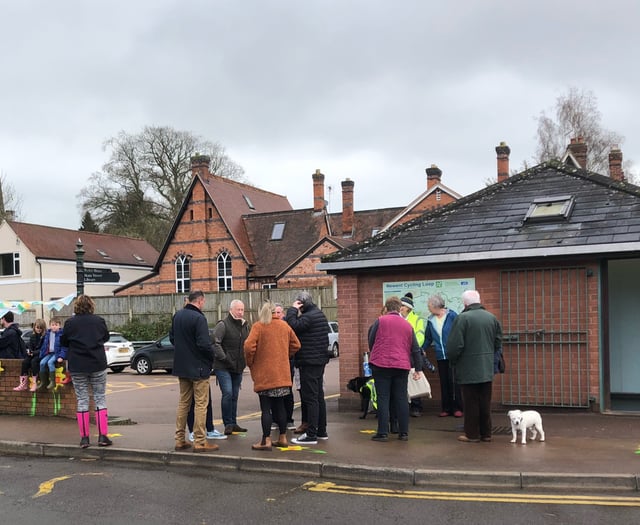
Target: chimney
x: 578, y: 149
x: 503, y: 151
x: 200, y: 165
x: 318, y: 192
x: 347, y: 207
x: 434, y: 174
x: 615, y: 164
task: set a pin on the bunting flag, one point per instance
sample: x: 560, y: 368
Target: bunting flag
x: 18, y: 307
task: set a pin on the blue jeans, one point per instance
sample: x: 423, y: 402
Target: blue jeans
x: 391, y: 389
x: 230, y: 388
x: 49, y: 361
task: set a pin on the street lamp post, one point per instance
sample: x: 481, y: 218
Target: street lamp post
x: 79, y: 251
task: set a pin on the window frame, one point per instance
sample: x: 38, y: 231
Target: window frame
x: 183, y: 283
x: 224, y: 280
x: 537, y: 213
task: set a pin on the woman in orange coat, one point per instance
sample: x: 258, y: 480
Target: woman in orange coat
x: 267, y: 350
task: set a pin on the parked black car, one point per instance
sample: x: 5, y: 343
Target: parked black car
x: 155, y: 356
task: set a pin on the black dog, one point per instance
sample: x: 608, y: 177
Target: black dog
x: 359, y: 385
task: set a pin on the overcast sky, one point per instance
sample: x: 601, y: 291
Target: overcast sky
x: 362, y: 89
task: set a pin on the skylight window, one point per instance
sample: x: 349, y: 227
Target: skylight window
x: 278, y: 231
x: 550, y: 208
x: 249, y: 203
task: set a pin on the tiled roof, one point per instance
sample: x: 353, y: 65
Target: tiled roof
x: 302, y: 231
x: 47, y: 242
x: 489, y: 224
x: 233, y: 200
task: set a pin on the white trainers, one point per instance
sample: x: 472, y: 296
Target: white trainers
x: 191, y: 438
x: 214, y: 434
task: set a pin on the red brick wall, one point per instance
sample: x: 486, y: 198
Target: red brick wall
x: 305, y: 274
x: 360, y: 302
x: 61, y: 403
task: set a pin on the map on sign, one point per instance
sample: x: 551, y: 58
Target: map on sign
x: 449, y: 289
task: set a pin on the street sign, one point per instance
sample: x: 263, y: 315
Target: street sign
x: 100, y: 275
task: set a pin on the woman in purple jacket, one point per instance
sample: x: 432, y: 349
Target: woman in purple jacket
x: 394, y: 351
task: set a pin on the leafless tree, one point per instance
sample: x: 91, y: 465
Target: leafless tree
x: 576, y: 115
x: 10, y: 201
x: 140, y: 190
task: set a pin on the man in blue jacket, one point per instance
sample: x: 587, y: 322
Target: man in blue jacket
x: 312, y: 328
x: 192, y: 363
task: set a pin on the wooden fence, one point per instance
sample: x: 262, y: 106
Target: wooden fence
x: 147, y: 309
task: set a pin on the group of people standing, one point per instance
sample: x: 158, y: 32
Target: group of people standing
x: 270, y: 348
x: 465, y: 346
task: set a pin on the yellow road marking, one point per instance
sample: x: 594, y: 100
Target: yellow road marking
x: 47, y: 486
x: 126, y: 387
x: 608, y: 501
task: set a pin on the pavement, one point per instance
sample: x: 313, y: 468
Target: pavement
x: 582, y: 451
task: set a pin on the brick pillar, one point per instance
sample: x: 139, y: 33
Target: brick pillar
x: 434, y: 176
x: 318, y: 191
x: 347, y: 207
x: 200, y: 165
x: 578, y: 148
x: 615, y: 164
x: 503, y: 151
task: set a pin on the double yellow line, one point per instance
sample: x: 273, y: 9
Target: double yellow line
x: 567, y: 499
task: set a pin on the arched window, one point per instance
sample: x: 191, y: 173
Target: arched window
x: 224, y: 272
x: 183, y: 274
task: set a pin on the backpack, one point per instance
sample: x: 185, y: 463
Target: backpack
x: 22, y: 348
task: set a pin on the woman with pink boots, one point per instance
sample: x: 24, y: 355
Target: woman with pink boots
x: 84, y: 335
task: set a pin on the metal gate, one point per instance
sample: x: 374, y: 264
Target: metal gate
x: 544, y: 321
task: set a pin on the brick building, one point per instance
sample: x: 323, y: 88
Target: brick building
x: 233, y: 236
x: 554, y: 252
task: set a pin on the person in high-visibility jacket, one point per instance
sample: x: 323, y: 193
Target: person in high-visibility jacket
x: 418, y: 325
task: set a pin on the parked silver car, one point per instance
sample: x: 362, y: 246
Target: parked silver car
x: 334, y: 345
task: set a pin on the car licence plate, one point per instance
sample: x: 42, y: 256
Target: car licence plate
x: 123, y: 350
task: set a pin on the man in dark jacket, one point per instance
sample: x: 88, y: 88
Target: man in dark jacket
x: 10, y: 347
x: 192, y: 363
x: 475, y: 337
x: 228, y: 337
x: 312, y: 328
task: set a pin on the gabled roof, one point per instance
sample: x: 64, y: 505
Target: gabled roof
x: 425, y: 195
x: 47, y: 242
x: 302, y: 228
x: 490, y: 225
x: 303, y: 231
x: 229, y: 199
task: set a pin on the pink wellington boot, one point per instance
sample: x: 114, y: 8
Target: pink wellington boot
x: 83, y: 427
x: 22, y: 385
x: 103, y: 428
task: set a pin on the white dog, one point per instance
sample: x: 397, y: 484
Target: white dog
x: 524, y: 420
